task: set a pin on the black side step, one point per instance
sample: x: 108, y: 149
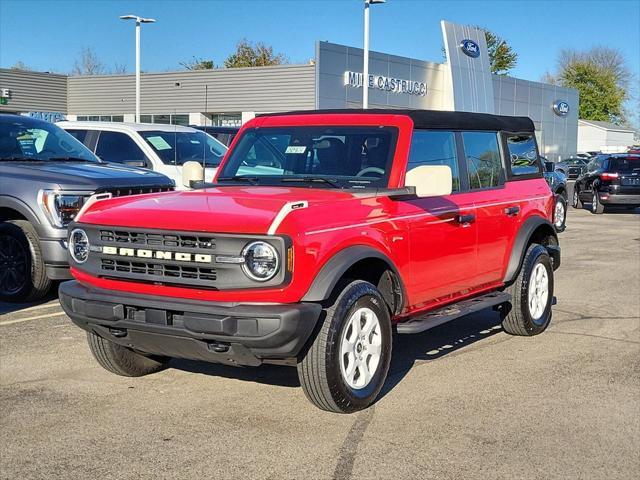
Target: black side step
x: 451, y: 312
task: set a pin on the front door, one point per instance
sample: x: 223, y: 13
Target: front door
x: 442, y: 230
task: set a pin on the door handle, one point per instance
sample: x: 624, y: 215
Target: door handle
x: 466, y: 219
x: 512, y: 211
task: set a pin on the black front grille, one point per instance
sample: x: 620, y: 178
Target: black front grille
x: 202, y: 242
x: 157, y: 271
x: 124, y: 191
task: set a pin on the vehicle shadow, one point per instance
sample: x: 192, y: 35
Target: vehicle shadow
x: 615, y: 210
x: 6, y: 307
x: 408, y: 351
x: 433, y: 344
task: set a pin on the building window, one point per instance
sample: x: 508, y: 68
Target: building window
x: 101, y: 118
x: 225, y: 119
x: 166, y: 119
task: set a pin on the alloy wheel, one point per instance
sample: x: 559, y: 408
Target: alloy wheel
x: 360, y: 348
x: 538, y: 292
x: 13, y: 265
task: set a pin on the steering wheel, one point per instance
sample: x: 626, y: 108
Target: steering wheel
x: 364, y: 171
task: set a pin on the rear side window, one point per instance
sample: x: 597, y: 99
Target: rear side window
x: 624, y: 164
x: 118, y: 147
x: 80, y: 135
x: 483, y: 159
x: 523, y: 155
x: 435, y: 148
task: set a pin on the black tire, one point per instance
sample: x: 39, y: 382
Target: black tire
x: 23, y: 277
x: 320, y: 370
x: 560, y: 224
x: 516, y: 317
x: 596, y: 207
x: 122, y: 360
x: 576, y: 203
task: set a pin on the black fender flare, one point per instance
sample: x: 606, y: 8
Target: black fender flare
x: 523, y: 237
x: 20, y: 207
x: 333, y: 270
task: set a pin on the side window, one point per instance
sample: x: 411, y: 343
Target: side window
x: 483, y: 159
x: 522, y: 154
x: 80, y: 135
x: 118, y: 147
x: 435, y: 148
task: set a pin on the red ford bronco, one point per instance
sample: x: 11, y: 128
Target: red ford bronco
x: 323, y: 233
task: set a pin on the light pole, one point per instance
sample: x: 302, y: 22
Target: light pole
x: 139, y: 20
x: 365, y: 69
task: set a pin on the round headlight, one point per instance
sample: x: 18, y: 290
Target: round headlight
x: 79, y: 245
x: 260, y: 261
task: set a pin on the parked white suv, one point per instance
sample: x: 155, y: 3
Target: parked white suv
x: 158, y: 147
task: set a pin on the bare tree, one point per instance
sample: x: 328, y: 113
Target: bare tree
x: 88, y: 63
x: 20, y: 65
x: 119, y: 68
x: 198, y: 64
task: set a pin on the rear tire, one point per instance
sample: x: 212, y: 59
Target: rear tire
x: 23, y: 276
x: 576, y: 203
x: 560, y: 214
x: 122, y: 360
x: 596, y: 207
x: 530, y: 310
x: 346, y: 366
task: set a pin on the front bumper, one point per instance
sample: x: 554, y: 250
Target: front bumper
x: 619, y: 199
x: 193, y: 329
x: 54, y: 254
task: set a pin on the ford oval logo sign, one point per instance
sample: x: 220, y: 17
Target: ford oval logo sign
x: 561, y: 108
x: 470, y: 48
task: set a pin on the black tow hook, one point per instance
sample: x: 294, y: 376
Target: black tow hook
x: 118, y: 332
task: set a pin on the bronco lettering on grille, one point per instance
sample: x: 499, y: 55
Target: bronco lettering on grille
x: 159, y: 254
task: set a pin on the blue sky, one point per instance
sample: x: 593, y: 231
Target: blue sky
x: 47, y: 34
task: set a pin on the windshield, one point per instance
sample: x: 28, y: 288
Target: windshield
x: 176, y: 148
x: 624, y: 164
x: 23, y: 138
x: 344, y: 157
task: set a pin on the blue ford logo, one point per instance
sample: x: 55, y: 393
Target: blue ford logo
x: 561, y: 108
x: 470, y: 48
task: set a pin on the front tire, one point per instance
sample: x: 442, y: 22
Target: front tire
x: 122, y: 360
x: 576, y: 203
x: 531, y: 295
x: 346, y: 366
x: 23, y: 277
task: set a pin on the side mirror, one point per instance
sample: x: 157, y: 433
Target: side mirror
x: 430, y: 180
x: 549, y: 166
x: 192, y: 172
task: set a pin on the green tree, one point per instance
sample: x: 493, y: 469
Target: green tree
x: 601, y: 98
x: 501, y: 56
x: 248, y: 54
x: 198, y: 64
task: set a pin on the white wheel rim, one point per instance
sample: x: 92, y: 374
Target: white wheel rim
x: 360, y: 348
x: 559, y: 213
x: 575, y: 197
x: 538, y: 291
x: 594, y: 203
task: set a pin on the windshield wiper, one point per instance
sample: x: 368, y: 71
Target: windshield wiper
x: 69, y: 159
x: 18, y: 158
x: 308, y: 179
x: 240, y: 178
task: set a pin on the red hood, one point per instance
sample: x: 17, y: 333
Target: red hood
x: 225, y: 210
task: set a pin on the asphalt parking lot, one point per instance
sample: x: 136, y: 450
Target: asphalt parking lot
x: 464, y: 400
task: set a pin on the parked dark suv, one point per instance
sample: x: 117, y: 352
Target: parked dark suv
x: 609, y: 180
x: 46, y: 177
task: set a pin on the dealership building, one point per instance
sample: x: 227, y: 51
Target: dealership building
x: 334, y: 79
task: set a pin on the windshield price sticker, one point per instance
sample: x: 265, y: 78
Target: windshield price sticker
x: 159, y: 143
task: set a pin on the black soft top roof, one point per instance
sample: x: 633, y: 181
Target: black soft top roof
x: 438, y: 119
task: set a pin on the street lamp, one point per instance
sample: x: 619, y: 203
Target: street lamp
x: 139, y: 20
x: 365, y: 69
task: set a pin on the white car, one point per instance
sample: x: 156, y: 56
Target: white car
x: 159, y: 147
